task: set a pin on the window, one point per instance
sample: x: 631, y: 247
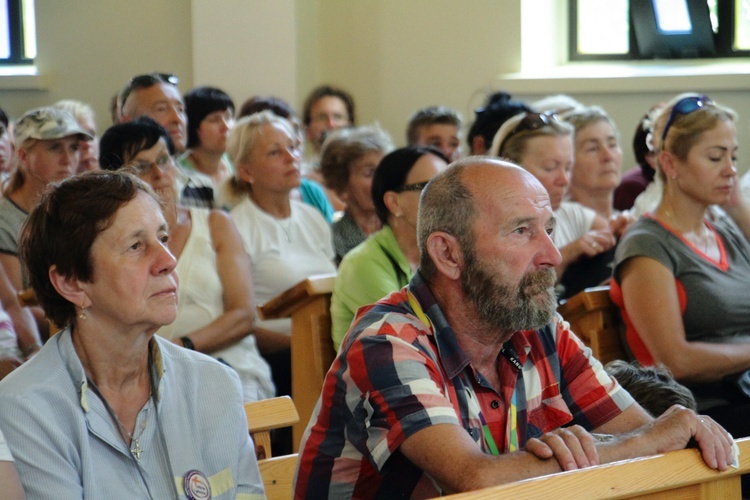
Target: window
x: 17, y: 32
x: 604, y: 30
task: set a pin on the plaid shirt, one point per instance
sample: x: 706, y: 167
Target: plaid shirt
x: 401, y: 369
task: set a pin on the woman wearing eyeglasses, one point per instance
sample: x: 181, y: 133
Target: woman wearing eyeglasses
x: 385, y: 261
x: 543, y: 145
x: 680, y: 280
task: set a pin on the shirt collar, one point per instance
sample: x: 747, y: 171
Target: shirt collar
x: 454, y: 359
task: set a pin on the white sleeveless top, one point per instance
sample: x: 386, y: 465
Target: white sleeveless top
x: 200, y: 302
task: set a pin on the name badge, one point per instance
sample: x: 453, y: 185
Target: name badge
x: 197, y: 486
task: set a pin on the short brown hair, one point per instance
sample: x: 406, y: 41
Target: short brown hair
x: 653, y: 387
x: 327, y: 91
x: 432, y: 115
x: 344, y: 147
x: 64, y: 225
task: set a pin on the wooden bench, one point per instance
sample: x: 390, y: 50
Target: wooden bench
x: 595, y: 319
x: 309, y: 305
x: 680, y: 475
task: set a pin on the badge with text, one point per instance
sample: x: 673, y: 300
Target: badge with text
x: 197, y: 486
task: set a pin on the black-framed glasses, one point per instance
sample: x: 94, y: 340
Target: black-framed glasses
x: 532, y: 121
x: 418, y: 186
x: 145, y: 81
x: 684, y: 106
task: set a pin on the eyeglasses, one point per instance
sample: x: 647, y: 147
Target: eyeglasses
x: 145, y: 81
x: 419, y: 187
x: 532, y: 121
x: 684, y: 106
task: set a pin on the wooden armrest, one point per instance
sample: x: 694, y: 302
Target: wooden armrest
x: 286, y: 302
x: 680, y: 474
x: 272, y: 413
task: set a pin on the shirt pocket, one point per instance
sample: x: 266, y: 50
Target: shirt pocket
x: 549, y: 413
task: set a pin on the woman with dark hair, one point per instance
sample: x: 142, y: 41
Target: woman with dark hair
x: 215, y: 308
x: 210, y: 117
x: 386, y: 261
x: 106, y: 409
x: 496, y: 110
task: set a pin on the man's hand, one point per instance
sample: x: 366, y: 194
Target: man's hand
x: 675, y: 427
x: 573, y: 447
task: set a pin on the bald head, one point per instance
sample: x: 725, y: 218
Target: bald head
x: 466, y: 188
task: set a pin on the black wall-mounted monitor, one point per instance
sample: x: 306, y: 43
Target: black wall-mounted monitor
x: 668, y: 29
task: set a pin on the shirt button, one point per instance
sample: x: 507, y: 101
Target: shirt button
x: 495, y: 404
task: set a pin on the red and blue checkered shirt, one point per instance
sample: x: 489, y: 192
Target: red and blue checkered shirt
x: 400, y: 370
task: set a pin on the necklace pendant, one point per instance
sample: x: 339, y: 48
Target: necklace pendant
x: 135, y: 450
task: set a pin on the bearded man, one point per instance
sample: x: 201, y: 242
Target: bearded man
x: 467, y: 377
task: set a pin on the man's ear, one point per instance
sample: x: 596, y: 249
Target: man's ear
x: 391, y: 200
x: 446, y: 254
x: 70, y: 289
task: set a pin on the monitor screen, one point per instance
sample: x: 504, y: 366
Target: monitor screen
x: 666, y: 29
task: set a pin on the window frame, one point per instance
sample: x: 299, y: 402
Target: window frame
x: 16, y: 36
x: 723, y: 40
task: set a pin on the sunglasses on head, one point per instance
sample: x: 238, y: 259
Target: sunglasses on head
x: 532, y: 121
x: 418, y: 186
x: 684, y: 106
x: 145, y: 81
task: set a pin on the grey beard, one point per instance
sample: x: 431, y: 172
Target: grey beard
x: 530, y: 307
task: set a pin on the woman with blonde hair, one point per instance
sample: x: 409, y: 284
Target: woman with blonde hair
x: 47, y: 151
x: 287, y: 240
x: 680, y: 276
x: 543, y: 145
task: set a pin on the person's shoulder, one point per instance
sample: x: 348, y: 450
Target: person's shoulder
x: 308, y: 214
x: 40, y: 377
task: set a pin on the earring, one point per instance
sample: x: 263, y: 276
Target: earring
x: 82, y: 314
x: 674, y: 177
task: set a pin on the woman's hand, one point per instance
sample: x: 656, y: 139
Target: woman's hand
x: 619, y: 223
x: 595, y: 242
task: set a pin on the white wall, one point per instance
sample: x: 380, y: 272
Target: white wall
x: 89, y: 49
x: 395, y: 56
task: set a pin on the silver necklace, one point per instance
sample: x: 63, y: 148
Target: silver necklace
x: 287, y: 230
x: 135, y: 446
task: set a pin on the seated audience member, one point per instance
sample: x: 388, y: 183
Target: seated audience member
x: 438, y: 127
x: 19, y: 335
x: 653, y: 387
x: 386, y: 261
x: 7, y: 150
x: 636, y: 180
x: 309, y: 191
x: 497, y: 109
x: 326, y: 109
x: 466, y: 377
x: 134, y: 416
x: 287, y: 240
x: 210, y: 117
x: 215, y: 305
x: 12, y: 489
x: 348, y: 161
x: 681, y: 281
x: 47, y: 141
x: 596, y: 165
x: 156, y: 95
x: 88, y: 148
x: 542, y: 144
